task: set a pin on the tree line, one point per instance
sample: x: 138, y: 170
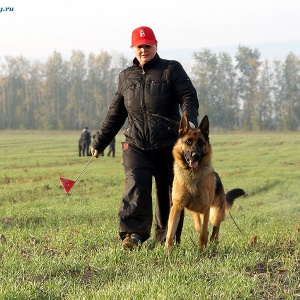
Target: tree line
x: 240, y: 92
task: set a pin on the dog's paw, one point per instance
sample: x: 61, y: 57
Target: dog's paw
x: 168, y: 248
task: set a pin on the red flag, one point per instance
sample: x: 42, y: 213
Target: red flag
x: 67, y: 184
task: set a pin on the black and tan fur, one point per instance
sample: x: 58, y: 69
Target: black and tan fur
x: 196, y: 186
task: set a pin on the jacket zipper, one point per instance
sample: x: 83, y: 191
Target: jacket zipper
x: 143, y: 106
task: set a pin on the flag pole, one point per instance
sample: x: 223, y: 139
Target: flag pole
x: 84, y: 168
x: 67, y: 183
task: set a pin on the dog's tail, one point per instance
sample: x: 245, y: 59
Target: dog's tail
x: 231, y: 196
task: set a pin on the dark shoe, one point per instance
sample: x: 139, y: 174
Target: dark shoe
x: 131, y: 242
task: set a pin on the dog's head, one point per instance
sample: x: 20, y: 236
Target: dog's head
x: 193, y: 143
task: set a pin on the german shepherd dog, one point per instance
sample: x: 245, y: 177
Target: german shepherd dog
x: 196, y: 186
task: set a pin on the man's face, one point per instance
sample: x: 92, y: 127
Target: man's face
x: 144, y: 53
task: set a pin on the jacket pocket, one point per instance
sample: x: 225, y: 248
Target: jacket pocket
x: 159, y: 87
x: 163, y: 127
x: 130, y: 90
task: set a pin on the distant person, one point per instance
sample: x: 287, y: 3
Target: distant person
x: 112, y: 148
x: 85, y: 142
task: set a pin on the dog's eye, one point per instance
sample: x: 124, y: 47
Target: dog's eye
x: 200, y: 143
x: 189, y: 142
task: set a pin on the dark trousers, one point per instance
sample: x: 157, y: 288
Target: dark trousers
x: 85, y: 148
x: 111, y: 150
x: 136, y: 213
x: 79, y: 148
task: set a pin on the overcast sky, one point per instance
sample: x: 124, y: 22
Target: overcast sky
x: 35, y: 28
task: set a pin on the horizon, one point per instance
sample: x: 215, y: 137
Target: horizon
x: 270, y: 51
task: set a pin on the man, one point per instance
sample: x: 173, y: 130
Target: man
x: 85, y: 139
x: 151, y: 93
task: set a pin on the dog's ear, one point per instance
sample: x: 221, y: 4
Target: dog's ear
x: 184, y: 125
x: 204, y: 125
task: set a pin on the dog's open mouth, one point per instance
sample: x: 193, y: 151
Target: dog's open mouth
x: 193, y: 164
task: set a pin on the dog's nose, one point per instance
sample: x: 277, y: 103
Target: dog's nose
x: 195, y: 156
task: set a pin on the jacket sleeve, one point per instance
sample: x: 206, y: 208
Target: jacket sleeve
x: 185, y: 92
x: 113, y: 122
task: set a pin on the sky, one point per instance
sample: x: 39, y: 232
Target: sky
x: 37, y: 28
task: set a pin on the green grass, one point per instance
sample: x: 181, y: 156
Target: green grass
x: 59, y: 246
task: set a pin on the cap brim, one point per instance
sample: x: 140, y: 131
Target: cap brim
x: 143, y: 42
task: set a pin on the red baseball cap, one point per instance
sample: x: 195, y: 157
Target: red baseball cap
x: 143, y: 36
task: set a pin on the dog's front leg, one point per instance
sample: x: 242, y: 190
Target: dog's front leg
x: 204, y: 230
x: 197, y: 221
x: 172, y: 226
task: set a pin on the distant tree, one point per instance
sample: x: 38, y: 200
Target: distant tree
x: 248, y: 70
x: 15, y: 93
x: 101, y: 84
x: 214, y: 78
x: 3, y: 96
x: 264, y: 106
x: 77, y: 103
x: 54, y: 99
x: 278, y: 89
x: 227, y: 105
x: 36, y: 88
x: 206, y: 82
x: 291, y: 92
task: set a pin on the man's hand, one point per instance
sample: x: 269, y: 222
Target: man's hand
x: 94, y: 152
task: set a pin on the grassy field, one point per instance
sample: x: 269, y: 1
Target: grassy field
x: 59, y: 246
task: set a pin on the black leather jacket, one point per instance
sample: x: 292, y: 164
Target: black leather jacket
x: 150, y: 97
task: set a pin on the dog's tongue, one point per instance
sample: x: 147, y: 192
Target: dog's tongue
x: 193, y: 164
